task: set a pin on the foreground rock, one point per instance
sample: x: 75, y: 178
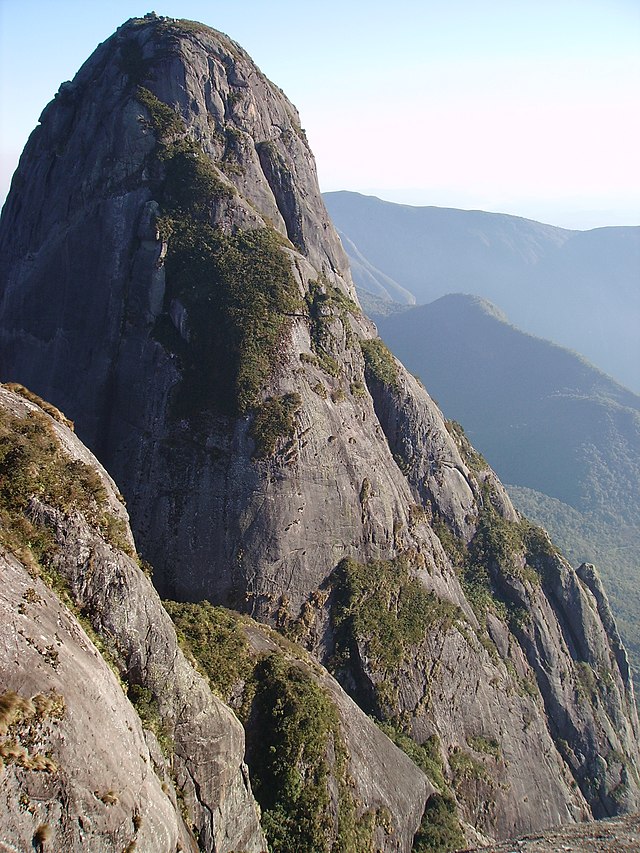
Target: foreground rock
x: 81, y: 761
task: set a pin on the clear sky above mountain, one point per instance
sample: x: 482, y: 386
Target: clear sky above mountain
x: 505, y: 105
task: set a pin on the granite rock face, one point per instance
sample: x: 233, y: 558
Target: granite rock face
x: 110, y: 783
x: 170, y: 279
x: 123, y: 771
x: 95, y: 792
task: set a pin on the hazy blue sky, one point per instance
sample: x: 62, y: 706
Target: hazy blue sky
x: 520, y: 106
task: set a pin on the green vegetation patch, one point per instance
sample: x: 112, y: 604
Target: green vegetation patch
x: 295, y: 748
x: 612, y: 547
x: 426, y: 755
x: 274, y: 420
x: 192, y: 182
x: 147, y: 709
x: 440, y: 830
x: 499, y: 548
x: 488, y: 746
x: 586, y: 681
x: 164, y: 120
x: 378, y: 603
x: 465, y: 768
x: 213, y: 637
x: 238, y: 290
x: 380, y: 363
x: 33, y: 464
x: 290, y: 766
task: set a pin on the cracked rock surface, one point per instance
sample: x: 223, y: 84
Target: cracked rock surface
x: 518, y: 671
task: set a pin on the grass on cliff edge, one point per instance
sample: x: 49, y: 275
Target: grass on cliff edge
x: 380, y: 363
x: 33, y: 465
x: 499, y: 548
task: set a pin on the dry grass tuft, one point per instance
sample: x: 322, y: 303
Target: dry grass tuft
x: 42, y: 834
x: 109, y: 798
x: 50, y: 409
x: 14, y: 708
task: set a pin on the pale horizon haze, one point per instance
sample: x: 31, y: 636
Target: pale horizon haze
x: 512, y: 106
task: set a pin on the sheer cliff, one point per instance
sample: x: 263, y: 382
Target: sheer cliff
x: 171, y: 280
x: 109, y: 737
x: 81, y: 768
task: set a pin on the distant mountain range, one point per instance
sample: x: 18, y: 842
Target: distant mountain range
x: 578, y: 288
x: 566, y: 434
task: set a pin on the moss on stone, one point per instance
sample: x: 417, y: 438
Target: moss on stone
x: 464, y: 766
x: 380, y: 363
x: 381, y: 605
x: 273, y: 421
x: 192, y: 183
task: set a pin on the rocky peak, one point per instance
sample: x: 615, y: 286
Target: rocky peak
x: 170, y: 279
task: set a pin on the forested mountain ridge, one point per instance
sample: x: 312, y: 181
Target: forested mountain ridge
x: 576, y: 288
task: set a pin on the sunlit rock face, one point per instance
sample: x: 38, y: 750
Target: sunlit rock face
x: 72, y: 658
x: 171, y: 280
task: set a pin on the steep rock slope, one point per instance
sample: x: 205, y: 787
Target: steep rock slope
x: 614, y: 548
x: 89, y: 769
x: 108, y: 784
x: 546, y: 420
x: 274, y: 456
x: 577, y: 288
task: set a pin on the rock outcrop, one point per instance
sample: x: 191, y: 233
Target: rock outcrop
x: 107, y: 782
x: 170, y: 279
x: 99, y: 758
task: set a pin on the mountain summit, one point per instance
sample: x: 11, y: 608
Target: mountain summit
x: 171, y: 280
